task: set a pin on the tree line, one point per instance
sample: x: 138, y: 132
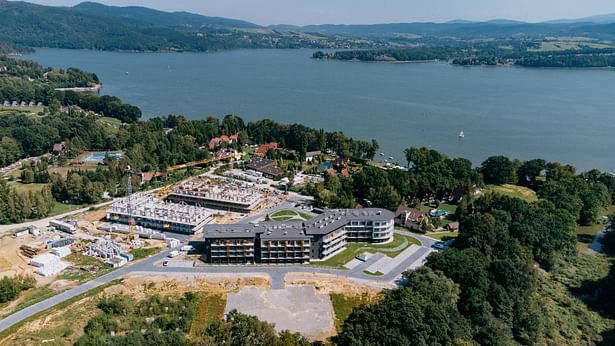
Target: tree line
x: 498, y: 52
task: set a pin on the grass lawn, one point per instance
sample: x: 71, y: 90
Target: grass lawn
x: 86, y: 268
x: 520, y: 192
x: 352, y: 250
x: 343, y: 306
x: 442, y: 235
x: 61, y: 208
x: 63, y: 171
x: 27, y: 188
x: 111, y: 125
x: 145, y: 252
x: 289, y: 215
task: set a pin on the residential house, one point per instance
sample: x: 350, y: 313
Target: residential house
x: 215, y: 142
x: 263, y: 149
x: 312, y: 155
x: 269, y: 168
x: 59, y: 147
x: 452, y: 227
x: 409, y: 217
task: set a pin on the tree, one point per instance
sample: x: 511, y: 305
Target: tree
x: 498, y: 170
x: 422, y: 313
x: 384, y: 197
x: 608, y: 240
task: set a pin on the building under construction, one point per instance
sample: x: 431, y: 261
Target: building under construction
x: 155, y: 214
x: 223, y: 194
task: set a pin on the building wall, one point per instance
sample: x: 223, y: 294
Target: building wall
x: 296, y: 250
x: 155, y: 224
x: 213, y: 204
x: 284, y: 251
x: 230, y: 251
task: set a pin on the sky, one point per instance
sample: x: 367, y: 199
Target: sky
x: 303, y: 12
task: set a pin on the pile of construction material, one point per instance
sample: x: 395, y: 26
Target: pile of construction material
x: 104, y: 249
x: 173, y: 243
x: 30, y: 251
x: 142, y: 232
x: 110, y: 251
x: 61, y: 251
x: 48, y: 264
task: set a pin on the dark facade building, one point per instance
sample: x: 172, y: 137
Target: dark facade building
x: 296, y: 242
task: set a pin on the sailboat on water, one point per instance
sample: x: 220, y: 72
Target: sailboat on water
x: 461, y: 135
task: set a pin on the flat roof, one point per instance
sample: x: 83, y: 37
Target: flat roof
x: 325, y: 223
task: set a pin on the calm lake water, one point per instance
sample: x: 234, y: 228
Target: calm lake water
x: 555, y: 114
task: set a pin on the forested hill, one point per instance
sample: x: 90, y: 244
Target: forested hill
x: 160, y: 18
x: 62, y: 27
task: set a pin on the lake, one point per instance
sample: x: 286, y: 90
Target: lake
x: 556, y: 114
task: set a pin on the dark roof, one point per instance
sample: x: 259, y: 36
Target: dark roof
x: 331, y: 220
x: 232, y: 231
x: 274, y: 171
x: 411, y: 213
x: 327, y: 222
x: 258, y: 163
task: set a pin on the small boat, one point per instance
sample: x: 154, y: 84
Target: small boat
x: 381, y: 154
x: 461, y: 134
x: 126, y: 73
x: 390, y: 157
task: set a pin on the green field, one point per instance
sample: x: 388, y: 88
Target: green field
x: 85, y: 268
x: 562, y: 45
x: 515, y: 191
x: 111, y: 125
x: 61, y: 208
x: 442, y: 235
x: 343, y: 306
x: 145, y: 252
x: 392, y: 249
x: 27, y: 188
x: 289, y: 215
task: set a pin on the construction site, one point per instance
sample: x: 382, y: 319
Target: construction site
x: 149, y: 212
x: 221, y: 194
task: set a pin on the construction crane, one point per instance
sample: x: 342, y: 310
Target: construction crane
x: 131, y: 219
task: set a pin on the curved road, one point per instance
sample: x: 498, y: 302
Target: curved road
x: 277, y: 274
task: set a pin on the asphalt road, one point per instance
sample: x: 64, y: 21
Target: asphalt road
x: 73, y: 292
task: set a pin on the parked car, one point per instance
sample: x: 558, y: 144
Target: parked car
x: 440, y: 245
x: 165, y: 263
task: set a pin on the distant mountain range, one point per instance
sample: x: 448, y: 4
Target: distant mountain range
x: 100, y: 27
x: 160, y: 18
x: 91, y: 25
